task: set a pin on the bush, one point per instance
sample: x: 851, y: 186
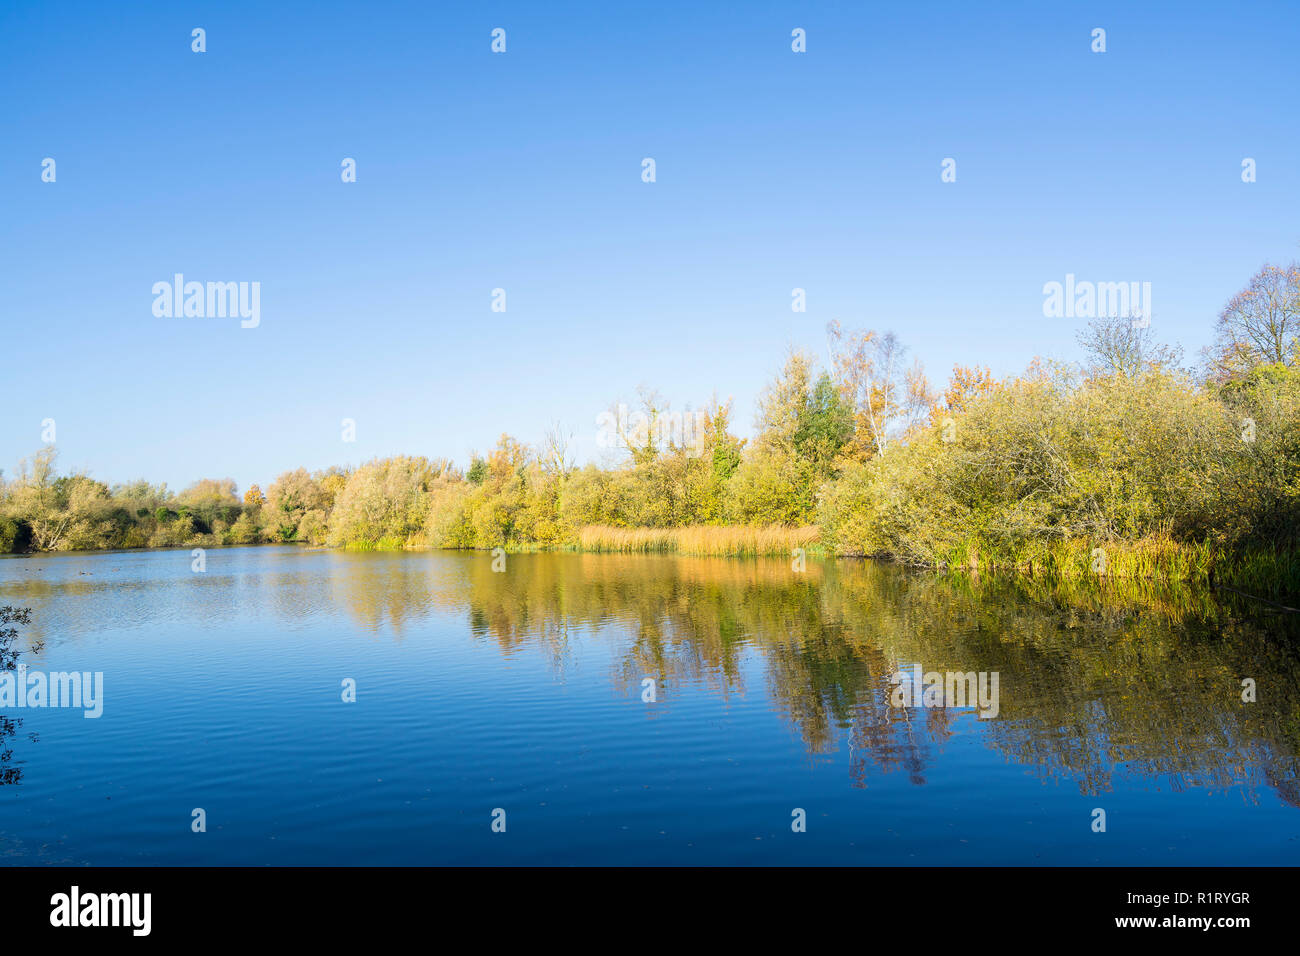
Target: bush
x: 15, y: 535
x: 1041, y: 461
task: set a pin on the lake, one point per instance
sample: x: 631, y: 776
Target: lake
x: 638, y: 709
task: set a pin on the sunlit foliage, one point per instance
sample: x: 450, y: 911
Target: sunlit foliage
x: 1165, y: 472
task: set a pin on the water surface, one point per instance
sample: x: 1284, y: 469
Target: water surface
x: 523, y: 691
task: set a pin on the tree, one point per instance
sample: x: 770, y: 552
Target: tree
x: 477, y: 470
x: 332, y: 481
x: 825, y: 426
x: 35, y: 497
x: 383, y: 502
x: 889, y: 397
x: 803, y: 424
x: 782, y: 407
x: 507, y: 460
x: 726, y: 449
x: 644, y: 434
x: 11, y: 771
x: 1261, y: 325
x: 1116, y: 345
x: 210, y: 493
x: 965, y: 385
x: 556, y: 458
x: 11, y: 615
x: 293, y: 496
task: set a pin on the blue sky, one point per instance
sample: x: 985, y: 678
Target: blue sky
x: 522, y: 171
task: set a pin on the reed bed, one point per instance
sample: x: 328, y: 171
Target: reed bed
x: 1261, y: 570
x: 707, y: 540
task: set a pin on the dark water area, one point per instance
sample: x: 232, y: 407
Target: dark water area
x: 529, y: 692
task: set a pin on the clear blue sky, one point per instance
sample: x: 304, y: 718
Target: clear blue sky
x: 523, y: 171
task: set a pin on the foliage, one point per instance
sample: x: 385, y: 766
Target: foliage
x: 1124, y: 454
x: 1261, y: 324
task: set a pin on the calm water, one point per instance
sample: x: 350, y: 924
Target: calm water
x: 523, y: 691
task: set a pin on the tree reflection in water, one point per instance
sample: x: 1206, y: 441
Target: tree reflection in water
x: 1096, y: 681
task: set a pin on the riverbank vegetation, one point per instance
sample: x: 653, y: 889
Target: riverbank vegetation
x: 1126, y: 464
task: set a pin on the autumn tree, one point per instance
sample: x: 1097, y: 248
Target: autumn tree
x: 34, y: 496
x: 289, y: 500
x: 782, y: 403
x: 384, y: 501
x: 1261, y: 324
x: 803, y: 422
x: 965, y: 385
x: 888, y: 395
x: 556, y: 456
x: 1117, y: 345
x: 209, y: 492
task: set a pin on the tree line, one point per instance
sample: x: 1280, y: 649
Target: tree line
x: 1127, y: 460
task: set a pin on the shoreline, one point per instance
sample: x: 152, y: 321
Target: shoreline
x: 1267, y: 574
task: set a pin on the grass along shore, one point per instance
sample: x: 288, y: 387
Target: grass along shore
x: 1262, y: 571
x: 704, y: 540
